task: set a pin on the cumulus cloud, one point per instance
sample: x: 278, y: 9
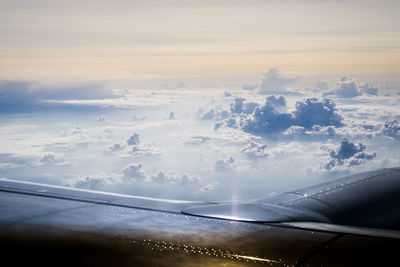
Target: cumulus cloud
x: 212, y: 114
x: 316, y: 132
x: 134, y: 173
x: 255, y: 150
x: 133, y: 147
x: 392, y: 129
x: 174, y: 178
x: 197, y: 140
x: 270, y: 118
x: 348, y: 88
x: 313, y: 111
x: 274, y: 83
x: 224, y: 165
x: 370, y: 88
x: 93, y: 182
x: 321, y: 86
x: 309, y: 116
x: 133, y: 140
x: 348, y: 154
x: 240, y: 106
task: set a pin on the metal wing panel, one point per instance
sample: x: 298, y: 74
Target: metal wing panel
x: 125, y: 236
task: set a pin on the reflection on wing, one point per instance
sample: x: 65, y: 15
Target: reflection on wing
x: 368, y: 199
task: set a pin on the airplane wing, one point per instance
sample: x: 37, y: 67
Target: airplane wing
x: 351, y: 221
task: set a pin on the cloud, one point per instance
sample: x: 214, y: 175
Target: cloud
x: 224, y: 165
x: 313, y: 111
x: 197, y: 140
x: 134, y: 173
x: 348, y: 154
x: 227, y: 94
x: 212, y: 114
x: 392, y: 129
x: 93, y: 182
x: 174, y: 178
x: 316, y: 132
x: 249, y: 87
x: 309, y: 116
x: 270, y: 118
x: 133, y: 140
x: 348, y: 88
x: 274, y: 83
x: 321, y: 86
x: 134, y: 148
x: 30, y: 93
x: 209, y: 187
x: 52, y: 159
x: 255, y: 150
x: 370, y: 88
x: 240, y: 106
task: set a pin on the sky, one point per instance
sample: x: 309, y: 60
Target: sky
x: 208, y: 100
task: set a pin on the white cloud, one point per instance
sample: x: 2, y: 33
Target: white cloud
x: 174, y: 178
x: 134, y: 173
x: 224, y: 165
x: 133, y: 147
x: 392, y: 129
x: 52, y: 159
x: 209, y: 187
x: 348, y: 88
x: 274, y: 83
x: 249, y: 87
x: 133, y: 140
x: 255, y: 150
x: 93, y: 182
